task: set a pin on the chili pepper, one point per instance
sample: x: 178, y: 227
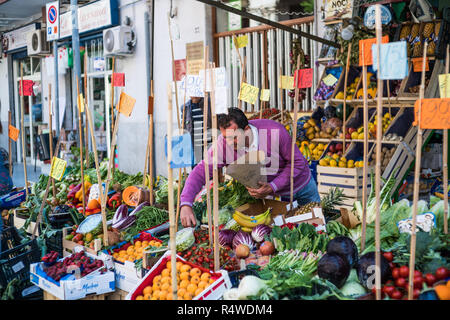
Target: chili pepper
x: 115, y: 200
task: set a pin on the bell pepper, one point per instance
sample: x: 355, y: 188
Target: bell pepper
x: 92, y: 211
x: 115, y: 200
x: 79, y: 193
x: 73, y: 192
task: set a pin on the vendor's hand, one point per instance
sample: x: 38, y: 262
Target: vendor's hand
x: 262, y: 191
x: 187, y: 217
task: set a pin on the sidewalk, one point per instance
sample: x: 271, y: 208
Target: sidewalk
x: 18, y: 174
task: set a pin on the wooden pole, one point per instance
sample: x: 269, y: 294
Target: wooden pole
x: 445, y: 153
x: 281, y: 96
x: 171, y: 200
x: 86, y: 133
x: 243, y: 64
x: 9, y: 147
x: 99, y: 178
x: 378, y: 158
x: 151, y: 146
x: 347, y: 66
x: 112, y: 99
x: 174, y: 74
x: 215, y: 175
x: 294, y: 135
x: 22, y: 129
x: 365, y: 156
x: 80, y: 134
x: 144, y: 176
x: 50, y: 131
x: 412, y: 257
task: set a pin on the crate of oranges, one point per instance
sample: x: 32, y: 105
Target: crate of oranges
x: 193, y: 282
x: 127, y: 259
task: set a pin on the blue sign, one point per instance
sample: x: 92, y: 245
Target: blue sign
x: 182, y: 151
x: 369, y: 16
x: 393, y: 60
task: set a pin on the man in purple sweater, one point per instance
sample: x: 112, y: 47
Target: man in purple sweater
x: 239, y: 136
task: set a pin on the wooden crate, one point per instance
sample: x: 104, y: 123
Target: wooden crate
x: 353, y: 73
x: 117, y: 295
x: 414, y: 79
x: 324, y: 74
x: 20, y: 219
x: 105, y: 296
x: 69, y: 245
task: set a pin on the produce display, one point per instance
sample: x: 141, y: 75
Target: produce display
x: 132, y: 251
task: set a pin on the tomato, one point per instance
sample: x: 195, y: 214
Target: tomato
x: 430, y: 279
x: 389, y: 256
x: 396, y: 273
x: 404, y: 271
x: 388, y: 290
x: 400, y: 282
x: 417, y: 273
x: 418, y: 282
x: 391, y: 265
x: 397, y: 294
x: 416, y: 293
x: 211, y: 266
x: 441, y: 273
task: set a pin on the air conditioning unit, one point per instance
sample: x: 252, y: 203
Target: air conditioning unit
x: 37, y: 44
x: 119, y: 41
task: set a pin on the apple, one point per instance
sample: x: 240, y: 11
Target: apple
x: 339, y: 147
x: 332, y: 149
x: 348, y: 136
x: 351, y: 130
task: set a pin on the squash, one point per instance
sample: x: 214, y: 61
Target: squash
x: 133, y: 196
x: 93, y: 204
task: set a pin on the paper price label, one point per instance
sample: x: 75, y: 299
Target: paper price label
x: 417, y: 64
x: 393, y: 60
x: 220, y: 78
x: 367, y: 59
x: 119, y: 79
x: 58, y: 168
x: 286, y: 82
x: 330, y: 80
x: 13, y: 132
x: 27, y: 87
x: 444, y: 85
x: 180, y: 69
x: 265, y: 95
x: 193, y: 86
x: 241, y: 41
x: 303, y: 78
x: 248, y: 93
x: 435, y: 113
x: 81, y: 102
x: 126, y: 104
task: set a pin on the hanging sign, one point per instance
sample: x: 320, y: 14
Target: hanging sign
x: 435, y: 113
x: 220, y: 77
x: 366, y: 60
x: 265, y: 95
x: 126, y: 104
x: 393, y: 60
x: 13, y: 132
x: 417, y: 64
x: 444, y: 85
x: 180, y: 69
x: 338, y: 9
x: 193, y: 85
x: 221, y: 100
x: 248, y: 93
x: 52, y: 10
x: 194, y: 57
x: 58, y: 168
x: 27, y: 87
x: 119, y: 79
x: 286, y: 82
x: 303, y: 78
x: 369, y: 16
x: 241, y: 41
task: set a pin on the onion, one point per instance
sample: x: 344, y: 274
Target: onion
x: 242, y: 237
x: 226, y: 237
x: 260, y: 231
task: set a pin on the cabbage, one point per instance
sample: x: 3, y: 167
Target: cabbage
x: 185, y: 239
x: 226, y: 237
x: 353, y: 289
x: 225, y: 214
x: 245, y: 238
x: 422, y: 207
x: 260, y: 231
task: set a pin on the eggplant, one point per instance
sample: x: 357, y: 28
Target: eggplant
x: 121, y: 213
x: 139, y: 208
x: 124, y: 223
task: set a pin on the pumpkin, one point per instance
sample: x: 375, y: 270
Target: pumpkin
x: 93, y: 204
x: 133, y: 196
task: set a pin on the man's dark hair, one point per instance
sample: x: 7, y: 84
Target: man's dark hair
x: 234, y: 114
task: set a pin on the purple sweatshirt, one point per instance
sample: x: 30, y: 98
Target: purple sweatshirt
x: 275, y: 141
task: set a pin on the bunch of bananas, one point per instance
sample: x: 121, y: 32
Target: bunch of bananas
x: 247, y: 223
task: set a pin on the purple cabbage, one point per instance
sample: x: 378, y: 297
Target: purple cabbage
x: 121, y: 213
x: 226, y: 237
x: 245, y: 238
x: 260, y: 231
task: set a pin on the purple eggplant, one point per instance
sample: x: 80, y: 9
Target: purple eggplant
x: 139, y: 208
x: 121, y: 213
x: 124, y: 223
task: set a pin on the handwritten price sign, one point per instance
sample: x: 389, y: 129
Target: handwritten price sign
x: 248, y: 93
x: 119, y: 79
x: 58, y: 168
x: 126, y: 104
x: 241, y: 41
x: 303, y: 78
x: 27, y: 87
x: 286, y: 82
x: 444, y: 85
x: 417, y: 64
x: 367, y: 59
x: 13, y: 132
x: 265, y: 95
x: 435, y: 113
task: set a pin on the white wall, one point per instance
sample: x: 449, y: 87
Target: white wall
x: 4, y: 102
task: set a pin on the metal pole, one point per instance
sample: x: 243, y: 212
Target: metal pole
x: 76, y: 44
x: 55, y: 55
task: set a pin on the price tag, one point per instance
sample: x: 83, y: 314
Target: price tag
x: 330, y: 80
x: 27, y: 87
x: 286, y: 82
x: 393, y: 60
x: 119, y: 79
x: 180, y: 69
x: 444, y: 85
x: 265, y: 95
x: 417, y: 64
x: 435, y: 113
x: 13, y: 132
x: 303, y: 78
x: 81, y: 102
x: 220, y: 78
x: 366, y: 60
x: 241, y: 41
x: 58, y: 168
x: 126, y: 104
x: 248, y: 93
x: 193, y: 85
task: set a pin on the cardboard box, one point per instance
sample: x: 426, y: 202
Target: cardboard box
x: 260, y: 206
x: 314, y: 217
x: 73, y: 289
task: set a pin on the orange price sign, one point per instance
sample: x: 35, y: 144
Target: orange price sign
x: 435, y: 113
x: 366, y: 60
x: 417, y: 64
x: 126, y: 104
x: 13, y: 132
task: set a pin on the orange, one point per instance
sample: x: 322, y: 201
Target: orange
x: 442, y: 292
x: 184, y: 284
x: 203, y: 284
x: 130, y: 249
x: 184, y: 276
x: 144, y: 244
x: 179, y: 265
x: 147, y: 296
x: 168, y: 265
x: 169, y: 296
x: 156, y: 294
x: 147, y: 290
x: 195, y: 279
x: 187, y: 296
x: 181, y: 292
x: 205, y: 276
x: 138, y: 244
x: 198, y: 291
x: 156, y: 286
x: 162, y: 295
x: 195, y: 272
x: 154, y: 298
x: 191, y: 288
x: 157, y: 279
x: 166, y: 286
x: 122, y: 252
x: 211, y: 281
x: 140, y: 297
x: 166, y: 280
x: 165, y: 273
x: 185, y: 268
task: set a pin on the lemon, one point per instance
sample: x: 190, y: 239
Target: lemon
x: 361, y: 136
x: 333, y: 163
x: 335, y: 156
x: 350, y: 164
x: 354, y: 135
x: 323, y: 162
x: 343, y: 159
x: 342, y: 164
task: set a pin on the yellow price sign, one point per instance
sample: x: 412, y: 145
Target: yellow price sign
x: 444, y: 85
x: 330, y: 80
x: 241, y: 41
x: 58, y: 168
x: 126, y: 104
x: 248, y: 93
x: 265, y: 95
x: 286, y: 82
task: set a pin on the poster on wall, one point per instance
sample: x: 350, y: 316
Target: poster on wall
x: 338, y: 9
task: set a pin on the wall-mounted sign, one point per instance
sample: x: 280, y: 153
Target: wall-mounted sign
x: 18, y: 38
x: 369, y: 16
x: 338, y: 9
x: 52, y: 10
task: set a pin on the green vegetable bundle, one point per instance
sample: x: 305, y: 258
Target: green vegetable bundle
x: 303, y: 238
x: 146, y: 218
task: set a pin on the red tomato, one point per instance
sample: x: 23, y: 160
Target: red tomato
x: 418, y: 282
x: 396, y: 273
x: 430, y: 279
x: 404, y: 271
x: 441, y: 273
x: 389, y: 256
x: 400, y: 282
x: 397, y: 294
x: 416, y: 293
x: 388, y: 290
x: 417, y: 273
